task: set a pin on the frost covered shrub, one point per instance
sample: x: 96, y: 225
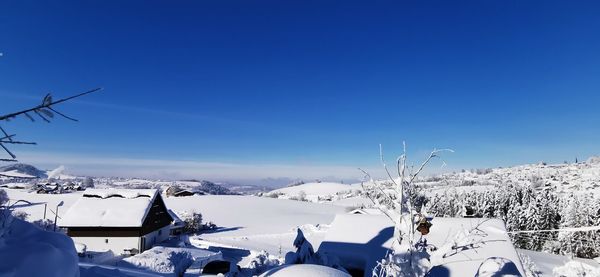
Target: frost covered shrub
x: 531, y: 269
x: 467, y: 183
x: 48, y: 225
x: 274, y: 195
x: 193, y: 222
x: 263, y: 262
x: 181, y: 261
x: 302, y: 195
x: 44, y: 224
x: 305, y: 254
x: 20, y: 215
x: 88, y: 182
x: 482, y: 171
x: 3, y: 197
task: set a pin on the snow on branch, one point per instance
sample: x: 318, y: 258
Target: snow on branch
x: 400, y: 204
x: 44, y: 111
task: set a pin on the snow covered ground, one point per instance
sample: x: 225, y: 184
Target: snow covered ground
x: 257, y: 223
x: 555, y: 265
x: 582, y: 177
x: 250, y: 224
x: 316, y: 192
x: 26, y: 250
x: 246, y: 222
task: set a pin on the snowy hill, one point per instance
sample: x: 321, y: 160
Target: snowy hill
x: 315, y: 192
x: 204, y: 187
x: 20, y: 170
x: 582, y: 177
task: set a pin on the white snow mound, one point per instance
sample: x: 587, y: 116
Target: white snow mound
x: 303, y: 270
x: 26, y: 250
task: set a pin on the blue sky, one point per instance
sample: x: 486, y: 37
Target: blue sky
x: 255, y: 89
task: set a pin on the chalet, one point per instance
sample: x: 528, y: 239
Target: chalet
x: 48, y: 188
x: 120, y: 220
x: 178, y: 192
x: 365, y: 211
x: 73, y: 187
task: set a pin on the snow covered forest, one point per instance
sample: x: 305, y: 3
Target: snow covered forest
x: 526, y: 209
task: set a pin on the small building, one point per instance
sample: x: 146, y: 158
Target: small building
x: 125, y: 221
x: 365, y: 211
x: 177, y: 192
x: 70, y: 186
x: 48, y: 188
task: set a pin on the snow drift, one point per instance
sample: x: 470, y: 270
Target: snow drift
x: 26, y: 250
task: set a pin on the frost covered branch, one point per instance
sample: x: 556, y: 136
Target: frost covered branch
x: 406, y: 258
x: 45, y: 111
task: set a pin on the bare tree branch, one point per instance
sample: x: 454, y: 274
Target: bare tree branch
x: 47, y: 102
x: 433, y: 154
x: 45, y: 111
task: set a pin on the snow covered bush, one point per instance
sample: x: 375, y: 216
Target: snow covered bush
x: 88, y: 183
x: 47, y: 225
x: 262, y: 262
x: 3, y: 197
x: 302, y: 196
x: 193, y: 222
x: 20, y: 215
x: 274, y: 194
x: 181, y: 262
x: 305, y: 254
x: 531, y: 269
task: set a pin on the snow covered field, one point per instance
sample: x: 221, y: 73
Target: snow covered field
x: 257, y: 223
x: 581, y: 177
x: 246, y: 222
x: 250, y: 224
x: 316, y: 192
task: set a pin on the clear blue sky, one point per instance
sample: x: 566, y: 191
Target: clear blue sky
x: 313, y: 86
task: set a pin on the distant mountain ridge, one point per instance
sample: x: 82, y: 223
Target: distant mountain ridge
x: 209, y: 187
x: 24, y: 169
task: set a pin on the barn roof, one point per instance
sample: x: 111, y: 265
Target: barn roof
x: 110, y: 208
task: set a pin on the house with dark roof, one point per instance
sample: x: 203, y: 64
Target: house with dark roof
x: 123, y: 221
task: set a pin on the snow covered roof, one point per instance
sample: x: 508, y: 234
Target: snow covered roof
x: 366, y: 211
x: 110, y: 208
x: 177, y: 222
x: 358, y: 239
x: 463, y: 243
x: 321, y: 189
